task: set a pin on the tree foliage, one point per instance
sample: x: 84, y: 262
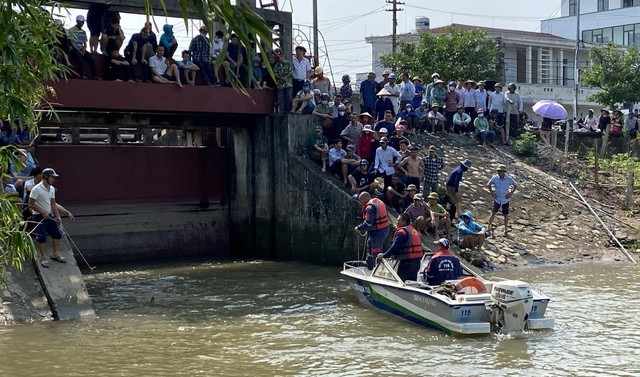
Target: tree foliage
x: 456, y: 54
x: 616, y: 72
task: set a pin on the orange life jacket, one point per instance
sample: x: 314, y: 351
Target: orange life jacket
x: 413, y: 248
x: 382, y: 221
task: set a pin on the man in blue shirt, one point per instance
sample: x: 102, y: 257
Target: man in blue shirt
x: 443, y: 265
x: 453, y: 184
x: 501, y: 186
x: 368, y: 90
x: 335, y: 157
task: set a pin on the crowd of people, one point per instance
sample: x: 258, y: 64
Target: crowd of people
x: 147, y: 58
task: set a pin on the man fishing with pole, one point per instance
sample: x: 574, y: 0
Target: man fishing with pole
x: 376, y: 224
x: 42, y: 202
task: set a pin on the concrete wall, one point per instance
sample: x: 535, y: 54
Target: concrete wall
x: 281, y: 205
x: 117, y: 233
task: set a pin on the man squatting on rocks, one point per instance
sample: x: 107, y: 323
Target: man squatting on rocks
x: 376, y: 224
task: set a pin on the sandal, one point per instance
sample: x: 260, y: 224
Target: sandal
x: 59, y: 259
x: 44, y: 263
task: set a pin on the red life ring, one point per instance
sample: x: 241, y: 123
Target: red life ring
x: 471, y: 284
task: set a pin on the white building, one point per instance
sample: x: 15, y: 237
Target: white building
x: 541, y: 64
x: 600, y: 21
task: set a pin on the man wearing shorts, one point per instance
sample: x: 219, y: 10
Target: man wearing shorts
x: 453, y: 184
x: 42, y: 202
x: 162, y: 70
x: 501, y: 187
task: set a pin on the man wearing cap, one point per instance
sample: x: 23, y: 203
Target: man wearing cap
x: 451, y: 103
x: 200, y: 47
x: 384, y: 105
x: 469, y: 99
x: 395, y: 140
x: 361, y: 179
x: 453, y: 184
x: 438, y: 95
x: 443, y: 265
x: 433, y: 165
x: 399, y: 196
x: 470, y: 233
x: 513, y: 108
x: 497, y: 102
x: 408, y: 118
x: 501, y: 187
x: 436, y: 119
x: 422, y: 116
x: 318, y: 145
x: 418, y: 212
x: 434, y: 77
x: 394, y: 92
x: 384, y: 81
x: 461, y: 121
x: 350, y: 163
x: 413, y: 167
x: 375, y: 223
x: 386, y: 160
x: 78, y: 38
x: 406, y: 248
x: 407, y: 90
x: 368, y: 90
x: 303, y: 102
x: 301, y: 68
x: 321, y: 82
x: 438, y: 216
x: 42, y: 202
x: 481, y: 97
x: 418, y: 97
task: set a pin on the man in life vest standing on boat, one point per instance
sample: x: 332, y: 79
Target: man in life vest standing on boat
x: 406, y: 247
x: 376, y: 224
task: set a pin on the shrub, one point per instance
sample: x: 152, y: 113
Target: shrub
x: 525, y: 145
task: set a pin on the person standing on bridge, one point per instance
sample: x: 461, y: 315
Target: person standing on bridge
x: 376, y: 224
x: 406, y: 247
x: 42, y: 202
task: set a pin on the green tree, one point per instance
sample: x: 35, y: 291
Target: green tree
x: 616, y: 72
x: 28, y: 61
x: 456, y: 54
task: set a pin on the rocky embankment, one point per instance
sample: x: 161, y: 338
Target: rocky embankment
x: 548, y: 222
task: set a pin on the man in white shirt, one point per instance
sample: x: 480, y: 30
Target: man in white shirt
x: 496, y: 102
x: 42, y: 202
x: 301, y: 69
x: 161, y: 71
x: 513, y: 108
x: 216, y: 47
x: 386, y: 160
x: 394, y: 92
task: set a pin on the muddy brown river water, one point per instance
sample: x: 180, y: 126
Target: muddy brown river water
x: 287, y: 319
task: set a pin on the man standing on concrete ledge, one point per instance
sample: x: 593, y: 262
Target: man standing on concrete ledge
x: 453, y: 184
x: 42, y: 202
x: 376, y: 224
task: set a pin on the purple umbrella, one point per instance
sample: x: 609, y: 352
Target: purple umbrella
x: 550, y: 109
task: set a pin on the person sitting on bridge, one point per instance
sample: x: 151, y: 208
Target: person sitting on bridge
x: 443, y: 265
x: 117, y: 67
x: 318, y: 145
x: 362, y: 180
x: 162, y: 70
x: 336, y: 153
x: 376, y: 224
x: 470, y: 233
x: 188, y: 68
x: 350, y: 163
x: 304, y: 102
x: 406, y: 247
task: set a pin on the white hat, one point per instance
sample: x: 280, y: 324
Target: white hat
x: 80, y: 18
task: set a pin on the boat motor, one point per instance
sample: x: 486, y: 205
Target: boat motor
x: 511, y: 302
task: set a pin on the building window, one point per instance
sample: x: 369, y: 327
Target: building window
x: 603, y: 5
x: 573, y: 5
x: 630, y: 3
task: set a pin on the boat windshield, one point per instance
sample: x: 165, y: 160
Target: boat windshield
x: 387, y: 270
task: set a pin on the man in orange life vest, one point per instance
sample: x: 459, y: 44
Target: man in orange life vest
x: 443, y: 265
x: 376, y: 224
x: 406, y: 247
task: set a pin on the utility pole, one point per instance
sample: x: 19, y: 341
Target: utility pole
x: 576, y: 81
x: 394, y: 9
x: 316, y: 50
